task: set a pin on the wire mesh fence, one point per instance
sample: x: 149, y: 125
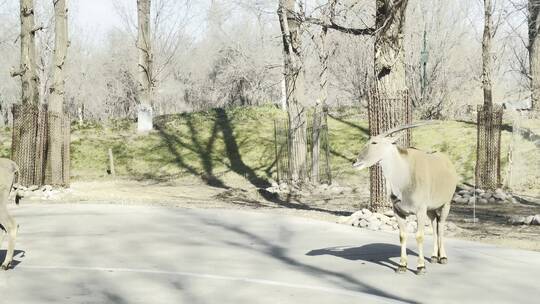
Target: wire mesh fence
x: 488, y: 147
x: 385, y: 113
x: 282, y: 142
x: 30, y: 140
x: 522, y: 171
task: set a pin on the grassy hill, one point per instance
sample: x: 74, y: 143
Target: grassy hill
x: 224, y: 146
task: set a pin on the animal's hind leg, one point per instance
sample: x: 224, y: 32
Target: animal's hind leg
x: 421, y: 218
x: 403, y: 242
x: 434, y: 218
x: 11, y: 230
x: 443, y: 258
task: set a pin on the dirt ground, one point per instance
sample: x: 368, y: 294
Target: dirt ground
x: 492, y: 226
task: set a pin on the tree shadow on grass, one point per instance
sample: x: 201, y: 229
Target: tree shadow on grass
x: 195, y: 144
x: 232, y: 150
x: 204, y: 149
x: 377, y: 253
x: 350, y: 124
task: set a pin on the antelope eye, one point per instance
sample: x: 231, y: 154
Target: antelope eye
x: 373, y: 143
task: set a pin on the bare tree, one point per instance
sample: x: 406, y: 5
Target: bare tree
x: 489, y: 116
x: 294, y: 83
x: 486, y: 54
x: 57, y: 89
x: 144, y: 79
x: 534, y: 52
x: 27, y: 70
x: 390, y: 82
x: 318, y: 113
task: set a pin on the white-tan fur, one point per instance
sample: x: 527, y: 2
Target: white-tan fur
x: 420, y: 183
x: 8, y: 171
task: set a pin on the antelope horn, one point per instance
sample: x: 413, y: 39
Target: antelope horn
x: 413, y: 125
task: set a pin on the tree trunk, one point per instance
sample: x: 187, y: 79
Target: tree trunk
x: 389, y: 84
x: 28, y: 68
x: 27, y: 135
x: 144, y: 79
x: 57, y: 95
x: 489, y: 118
x: 319, y: 111
x: 295, y: 91
x: 534, y: 52
x: 486, y: 54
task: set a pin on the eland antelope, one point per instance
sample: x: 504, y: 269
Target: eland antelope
x: 8, y: 169
x: 420, y: 183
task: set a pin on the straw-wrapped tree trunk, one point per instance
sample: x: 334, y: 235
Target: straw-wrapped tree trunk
x: 57, y: 94
x: 489, y: 116
x: 25, y: 148
x: 144, y: 67
x: 389, y: 83
x: 295, y: 91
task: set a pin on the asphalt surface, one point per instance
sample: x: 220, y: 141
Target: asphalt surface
x: 137, y: 254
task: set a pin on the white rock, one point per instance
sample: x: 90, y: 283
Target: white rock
x: 357, y: 215
x: 374, y: 225
x: 461, y: 200
x: 411, y: 227
x: 33, y: 188
x: 479, y: 191
x: 482, y: 201
x: 485, y: 195
x: 387, y: 227
x: 373, y: 219
x: 366, y: 212
x: 472, y: 199
x: 499, y: 196
x: 536, y: 220
x: 528, y: 220
x: 516, y: 220
x: 451, y: 226
x: 463, y: 191
x: 492, y: 200
x: 389, y: 213
x: 384, y: 219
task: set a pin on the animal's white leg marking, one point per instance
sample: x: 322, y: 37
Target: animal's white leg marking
x: 421, y: 218
x: 402, y: 241
x: 11, y: 229
x: 434, y: 220
x: 443, y: 258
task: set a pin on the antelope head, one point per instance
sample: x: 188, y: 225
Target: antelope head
x: 379, y: 146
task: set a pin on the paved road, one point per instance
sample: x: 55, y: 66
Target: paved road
x: 136, y: 254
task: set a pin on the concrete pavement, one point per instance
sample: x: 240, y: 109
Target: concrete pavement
x: 136, y: 254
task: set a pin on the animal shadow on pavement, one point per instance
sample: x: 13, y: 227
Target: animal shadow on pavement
x: 16, y: 257
x: 378, y: 253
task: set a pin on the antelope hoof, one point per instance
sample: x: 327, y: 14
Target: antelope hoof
x: 6, y: 266
x: 434, y: 260
x: 421, y: 270
x: 401, y: 269
x: 443, y: 261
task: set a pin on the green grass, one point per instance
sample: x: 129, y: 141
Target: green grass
x: 213, y: 144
